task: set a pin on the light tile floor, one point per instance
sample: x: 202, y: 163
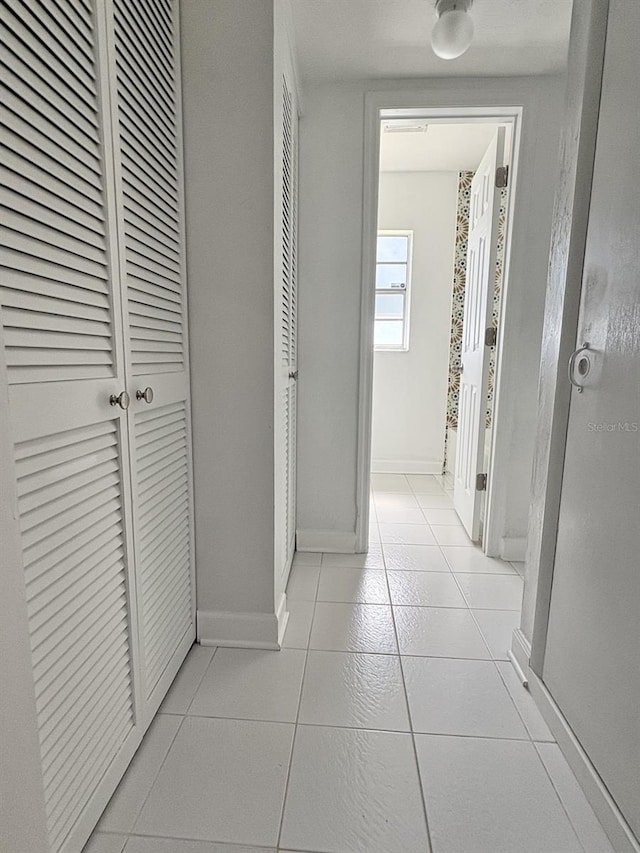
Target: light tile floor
x: 391, y: 721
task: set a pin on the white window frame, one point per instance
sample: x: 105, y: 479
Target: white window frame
x: 404, y: 346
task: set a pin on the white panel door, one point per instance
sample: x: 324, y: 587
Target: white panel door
x: 144, y: 44
x: 62, y: 336
x: 286, y: 331
x: 592, y: 657
x: 484, y: 208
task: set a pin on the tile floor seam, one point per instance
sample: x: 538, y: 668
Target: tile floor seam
x: 195, y: 692
x: 557, y: 793
x: 524, y: 723
x: 576, y: 826
x: 293, y: 740
x: 295, y: 730
x: 529, y: 737
x: 497, y: 669
x: 162, y: 763
x: 411, y: 731
x: 447, y: 657
x: 243, y: 719
x: 187, y: 839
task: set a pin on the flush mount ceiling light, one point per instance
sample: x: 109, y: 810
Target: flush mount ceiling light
x: 453, y: 31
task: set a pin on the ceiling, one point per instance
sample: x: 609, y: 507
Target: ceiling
x: 441, y: 148
x: 375, y: 39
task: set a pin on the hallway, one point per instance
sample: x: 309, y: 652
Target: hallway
x: 390, y: 721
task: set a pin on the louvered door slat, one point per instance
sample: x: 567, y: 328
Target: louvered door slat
x: 71, y: 311
x: 50, y: 25
x: 58, y: 309
x: 174, y: 536
x: 144, y: 49
x: 54, y: 518
x: 146, y: 88
x: 30, y: 228
x: 47, y: 207
x: 109, y: 693
x: 39, y: 41
x: 170, y: 623
x: 74, y: 23
x: 91, y: 211
x: 51, y: 106
x: 32, y: 254
x: 57, y: 147
x: 144, y: 270
x: 157, y: 19
x: 80, y: 668
x: 285, y: 330
x: 158, y: 108
x: 108, y: 698
x: 54, y: 251
x: 159, y: 589
x: 164, y: 549
x: 156, y: 520
x: 138, y: 187
x: 152, y: 239
x: 77, y: 611
x: 89, y: 773
x: 145, y: 143
x: 52, y: 178
x: 18, y: 41
x: 144, y: 253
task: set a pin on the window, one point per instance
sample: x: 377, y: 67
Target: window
x: 393, y: 275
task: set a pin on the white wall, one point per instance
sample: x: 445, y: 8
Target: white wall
x: 330, y: 278
x: 410, y: 388
x: 227, y: 59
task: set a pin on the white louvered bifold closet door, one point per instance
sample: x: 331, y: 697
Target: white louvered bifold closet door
x: 145, y: 46
x: 286, y: 333
x: 64, y: 348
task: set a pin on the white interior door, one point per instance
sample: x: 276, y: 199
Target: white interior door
x: 145, y: 81
x: 591, y: 664
x: 63, y: 341
x: 286, y: 365
x: 484, y: 207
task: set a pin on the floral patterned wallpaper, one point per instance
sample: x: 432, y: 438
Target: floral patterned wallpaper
x: 457, y: 302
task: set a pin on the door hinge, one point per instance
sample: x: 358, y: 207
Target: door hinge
x: 502, y: 177
x: 490, y: 336
x: 481, y: 482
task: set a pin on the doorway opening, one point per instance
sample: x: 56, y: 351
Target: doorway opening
x: 438, y: 224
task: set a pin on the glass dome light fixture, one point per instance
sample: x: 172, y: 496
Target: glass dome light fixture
x: 453, y: 31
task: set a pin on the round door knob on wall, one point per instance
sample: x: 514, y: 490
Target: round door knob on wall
x: 146, y: 395
x: 122, y: 399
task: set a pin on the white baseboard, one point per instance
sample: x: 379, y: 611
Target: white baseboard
x: 613, y: 822
x: 519, y: 655
x: 282, y: 615
x: 242, y: 630
x: 513, y: 548
x: 329, y: 541
x: 405, y: 466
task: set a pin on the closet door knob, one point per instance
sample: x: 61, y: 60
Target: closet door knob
x: 146, y: 395
x: 122, y: 399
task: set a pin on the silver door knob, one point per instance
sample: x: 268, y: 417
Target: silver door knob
x: 146, y: 395
x: 293, y: 374
x: 122, y: 399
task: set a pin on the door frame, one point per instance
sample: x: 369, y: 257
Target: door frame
x: 562, y: 309
x: 403, y: 105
